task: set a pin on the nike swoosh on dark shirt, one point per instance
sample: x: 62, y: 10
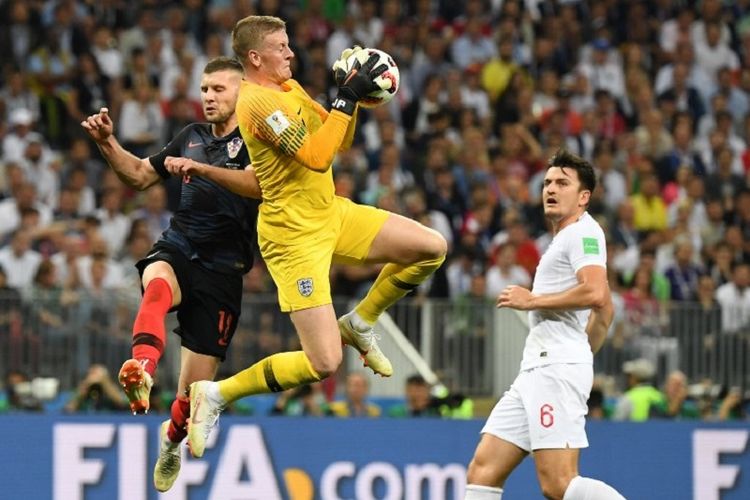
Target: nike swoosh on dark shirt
x: 192, y: 144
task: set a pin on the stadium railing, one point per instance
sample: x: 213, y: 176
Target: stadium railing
x: 470, y: 346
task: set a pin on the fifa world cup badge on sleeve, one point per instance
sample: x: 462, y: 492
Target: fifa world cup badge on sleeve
x: 278, y: 122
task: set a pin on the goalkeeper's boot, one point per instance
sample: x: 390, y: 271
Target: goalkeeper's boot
x: 168, y: 464
x: 204, y: 413
x: 137, y: 383
x: 366, y: 342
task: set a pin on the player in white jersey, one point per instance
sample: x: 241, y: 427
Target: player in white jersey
x: 570, y: 310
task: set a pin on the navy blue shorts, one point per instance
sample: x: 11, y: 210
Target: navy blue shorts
x: 211, y: 301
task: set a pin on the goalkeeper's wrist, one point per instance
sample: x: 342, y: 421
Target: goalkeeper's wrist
x: 344, y: 103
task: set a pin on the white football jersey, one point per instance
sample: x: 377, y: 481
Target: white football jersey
x: 560, y: 336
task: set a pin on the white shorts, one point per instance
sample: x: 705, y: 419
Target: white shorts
x: 545, y: 408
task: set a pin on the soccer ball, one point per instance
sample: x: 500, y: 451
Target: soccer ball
x: 391, y: 75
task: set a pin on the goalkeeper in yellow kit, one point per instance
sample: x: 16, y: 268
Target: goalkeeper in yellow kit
x: 303, y: 226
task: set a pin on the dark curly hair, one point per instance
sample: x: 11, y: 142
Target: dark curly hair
x: 565, y: 159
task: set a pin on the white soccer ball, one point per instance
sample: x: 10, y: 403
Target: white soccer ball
x: 388, y: 81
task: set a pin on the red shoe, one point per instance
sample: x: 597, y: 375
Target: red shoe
x: 136, y: 382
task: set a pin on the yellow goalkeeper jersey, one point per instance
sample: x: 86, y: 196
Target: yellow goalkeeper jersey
x: 292, y: 141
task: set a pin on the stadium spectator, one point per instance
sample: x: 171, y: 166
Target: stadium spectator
x: 16, y: 95
x: 697, y: 327
x: 650, y: 210
x: 612, y: 180
x: 49, y: 301
x: 678, y: 404
x: 731, y: 404
x: 20, y: 123
x: 624, y: 239
x: 97, y: 392
x: 303, y: 401
x: 685, y: 54
x: 686, y: 97
x: 473, y: 46
x: 738, y: 101
x: 13, y: 209
x: 712, y: 232
x: 505, y: 271
x: 644, y: 313
x: 153, y: 212
x: 21, y: 35
x: 603, y: 72
x: 720, y: 269
x: 109, y: 270
x: 460, y: 271
x: 90, y: 88
x: 114, y: 224
x: 417, y: 400
x: 141, y: 121
x: 737, y: 244
x: 143, y: 72
x: 683, y: 276
x: 678, y: 27
x: 713, y: 53
x: 734, y: 299
x: 41, y: 168
x: 10, y: 301
x: 499, y: 71
x: 369, y: 27
x: 596, y: 403
x: 642, y: 400
x: 108, y: 58
x: 18, y: 392
x: 355, y: 403
x: 19, y: 260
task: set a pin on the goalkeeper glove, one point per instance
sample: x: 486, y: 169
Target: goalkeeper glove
x: 339, y: 67
x: 357, y: 83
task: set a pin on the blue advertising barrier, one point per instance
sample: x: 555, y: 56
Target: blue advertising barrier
x: 112, y: 457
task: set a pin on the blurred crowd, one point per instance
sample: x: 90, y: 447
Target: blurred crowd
x: 655, y: 93
x: 642, y: 398
x: 98, y: 392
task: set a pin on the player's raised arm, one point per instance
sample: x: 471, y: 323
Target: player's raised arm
x: 273, y: 123
x: 136, y: 172
x: 241, y: 182
x: 339, y: 74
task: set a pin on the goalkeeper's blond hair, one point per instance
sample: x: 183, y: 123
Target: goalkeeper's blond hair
x: 248, y: 34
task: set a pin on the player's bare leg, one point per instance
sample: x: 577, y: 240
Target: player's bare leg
x: 493, y: 461
x: 555, y: 468
x: 412, y: 252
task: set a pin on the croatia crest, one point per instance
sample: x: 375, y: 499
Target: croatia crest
x: 234, y: 146
x: 305, y: 286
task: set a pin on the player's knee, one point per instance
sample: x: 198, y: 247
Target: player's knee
x: 554, y: 488
x: 430, y: 250
x: 326, y: 364
x: 481, y: 471
x: 437, y: 246
x: 473, y: 472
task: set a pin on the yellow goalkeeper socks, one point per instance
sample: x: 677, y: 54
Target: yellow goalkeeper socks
x: 275, y: 373
x: 393, y: 282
